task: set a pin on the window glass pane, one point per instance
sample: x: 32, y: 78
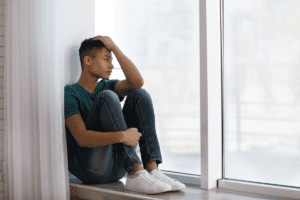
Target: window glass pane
x: 162, y: 39
x: 262, y: 91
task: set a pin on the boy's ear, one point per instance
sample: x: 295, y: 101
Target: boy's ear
x: 87, y: 60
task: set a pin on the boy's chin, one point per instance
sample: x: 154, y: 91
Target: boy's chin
x: 106, y: 77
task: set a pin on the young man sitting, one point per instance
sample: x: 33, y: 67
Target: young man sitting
x: 101, y: 148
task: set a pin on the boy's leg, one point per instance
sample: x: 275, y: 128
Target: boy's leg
x: 106, y: 116
x: 138, y: 112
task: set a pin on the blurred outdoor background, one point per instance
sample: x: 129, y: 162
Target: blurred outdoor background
x: 262, y: 91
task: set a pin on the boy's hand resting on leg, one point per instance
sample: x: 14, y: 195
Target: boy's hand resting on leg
x: 130, y: 137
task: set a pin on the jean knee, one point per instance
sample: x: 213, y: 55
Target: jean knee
x: 140, y: 92
x: 109, y: 95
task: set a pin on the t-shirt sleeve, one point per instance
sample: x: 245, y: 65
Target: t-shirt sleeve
x: 111, y: 84
x: 71, y: 103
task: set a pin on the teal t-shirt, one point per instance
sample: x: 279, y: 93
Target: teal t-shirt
x: 80, y: 101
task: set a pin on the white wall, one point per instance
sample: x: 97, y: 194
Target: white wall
x: 80, y: 25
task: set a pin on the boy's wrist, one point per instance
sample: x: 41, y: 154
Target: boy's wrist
x: 121, y: 136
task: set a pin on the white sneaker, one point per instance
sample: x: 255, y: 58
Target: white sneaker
x: 158, y: 175
x: 142, y: 182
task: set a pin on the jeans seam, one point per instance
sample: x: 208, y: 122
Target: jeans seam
x: 143, y: 124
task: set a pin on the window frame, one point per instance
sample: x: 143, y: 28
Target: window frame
x: 211, y: 111
x: 209, y: 73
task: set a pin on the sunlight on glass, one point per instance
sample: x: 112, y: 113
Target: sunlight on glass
x: 262, y: 91
x: 162, y: 39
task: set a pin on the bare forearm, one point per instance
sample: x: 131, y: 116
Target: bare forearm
x: 95, y: 139
x: 132, y: 74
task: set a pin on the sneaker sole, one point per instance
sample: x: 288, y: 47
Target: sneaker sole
x: 132, y: 190
x: 176, y: 189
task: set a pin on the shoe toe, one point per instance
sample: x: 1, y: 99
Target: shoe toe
x: 178, y: 186
x: 163, y: 187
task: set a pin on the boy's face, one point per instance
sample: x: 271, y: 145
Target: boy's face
x: 101, y: 66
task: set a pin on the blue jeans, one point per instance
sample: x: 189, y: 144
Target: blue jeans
x: 110, y: 163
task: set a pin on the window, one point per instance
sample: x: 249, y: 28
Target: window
x: 261, y: 85
x: 162, y: 39
x: 261, y: 91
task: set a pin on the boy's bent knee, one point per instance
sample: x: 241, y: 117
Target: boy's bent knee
x: 108, y: 94
x: 139, y: 92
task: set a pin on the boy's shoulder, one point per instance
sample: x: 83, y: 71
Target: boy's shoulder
x: 71, y: 89
x: 70, y: 85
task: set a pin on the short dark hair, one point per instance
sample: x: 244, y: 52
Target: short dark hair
x: 89, y: 47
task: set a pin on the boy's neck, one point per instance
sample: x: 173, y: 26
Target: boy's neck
x: 88, y: 83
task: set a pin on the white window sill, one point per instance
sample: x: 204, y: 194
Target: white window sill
x: 116, y: 190
x: 263, y: 189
